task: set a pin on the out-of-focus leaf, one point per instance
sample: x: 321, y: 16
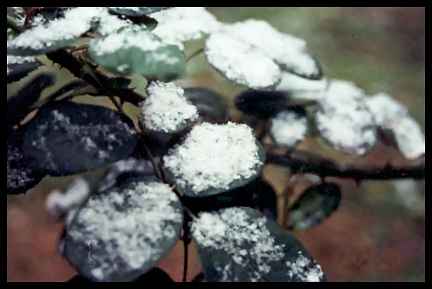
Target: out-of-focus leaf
x: 136, y: 50
x: 67, y: 138
x: 135, y: 11
x: 121, y: 233
x: 21, y: 176
x: 315, y: 205
x: 212, y: 107
x: 18, y: 67
x: 154, y: 276
x: 289, y: 127
x: 18, y: 105
x: 241, y: 245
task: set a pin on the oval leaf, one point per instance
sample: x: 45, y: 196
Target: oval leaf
x: 241, y: 245
x: 214, y: 158
x: 315, y: 205
x: 21, y: 176
x: 136, y: 50
x: 135, y: 11
x: 211, y: 106
x: 121, y: 233
x: 67, y: 138
x: 18, y: 67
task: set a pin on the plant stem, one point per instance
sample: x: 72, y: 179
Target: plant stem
x: 199, y: 51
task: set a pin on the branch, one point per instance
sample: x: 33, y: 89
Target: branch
x: 305, y: 162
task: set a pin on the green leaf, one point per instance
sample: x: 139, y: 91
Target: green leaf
x: 315, y: 205
x: 66, y: 138
x: 135, y: 11
x: 121, y: 233
x: 136, y: 50
x: 241, y: 245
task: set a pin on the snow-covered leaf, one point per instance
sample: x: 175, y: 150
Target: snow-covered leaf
x: 240, y: 62
x: 135, y: 50
x: 265, y: 103
x: 135, y: 11
x: 344, y: 120
x: 286, y: 50
x: 18, y: 67
x: 393, y: 116
x: 214, y: 158
x: 21, y: 176
x: 316, y: 204
x: 241, y: 245
x: 56, y: 34
x: 19, y: 103
x: 289, y: 127
x: 67, y: 138
x: 121, y: 233
x: 301, y: 88
x: 166, y: 109
x: 211, y: 106
x: 180, y: 24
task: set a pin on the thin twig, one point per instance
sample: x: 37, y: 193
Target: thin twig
x: 199, y: 51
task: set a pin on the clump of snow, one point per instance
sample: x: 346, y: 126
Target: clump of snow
x: 344, y: 119
x: 393, y: 116
x: 214, y: 156
x: 166, y: 109
x: 303, y: 268
x: 12, y: 59
x: 179, y: 24
x: 60, y: 203
x: 76, y: 22
x: 288, y: 128
x: 129, y: 37
x: 118, y: 235
x: 241, y: 62
x: 302, y: 88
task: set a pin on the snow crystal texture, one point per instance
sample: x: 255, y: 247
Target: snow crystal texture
x: 288, y: 128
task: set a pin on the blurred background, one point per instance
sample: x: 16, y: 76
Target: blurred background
x: 378, y: 233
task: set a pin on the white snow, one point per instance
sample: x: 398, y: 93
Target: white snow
x: 302, y: 88
x: 166, y: 109
x: 59, y: 203
x: 12, y: 59
x: 214, y: 156
x: 344, y: 119
x: 304, y: 269
x: 288, y: 128
x: 392, y: 115
x: 179, y: 24
x: 241, y: 62
x: 129, y: 225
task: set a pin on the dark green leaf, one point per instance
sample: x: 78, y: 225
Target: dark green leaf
x: 211, y: 106
x: 18, y: 105
x: 121, y: 233
x: 135, y: 11
x: 21, y: 176
x: 153, y: 276
x: 241, y: 245
x: 315, y: 205
x: 67, y: 138
x: 136, y: 50
x: 17, y: 69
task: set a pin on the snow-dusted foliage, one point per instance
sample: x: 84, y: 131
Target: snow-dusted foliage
x: 121, y: 233
x: 391, y: 115
x: 344, y: 120
x: 240, y: 245
x: 288, y: 128
x: 214, y: 158
x: 166, y: 109
x: 302, y: 88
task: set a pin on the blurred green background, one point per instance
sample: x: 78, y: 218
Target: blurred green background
x: 378, y: 232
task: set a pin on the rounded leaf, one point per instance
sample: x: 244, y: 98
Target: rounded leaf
x: 211, y: 106
x: 136, y: 50
x: 241, y: 245
x: 214, y: 158
x: 18, y: 67
x: 316, y: 204
x: 121, y: 233
x: 67, y: 138
x: 135, y: 11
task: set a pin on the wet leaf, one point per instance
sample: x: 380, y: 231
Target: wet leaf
x: 136, y: 50
x: 67, y: 138
x: 212, y: 107
x: 21, y: 176
x: 241, y: 245
x: 315, y: 205
x: 122, y: 233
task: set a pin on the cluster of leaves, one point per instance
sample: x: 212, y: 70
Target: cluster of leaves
x: 178, y: 169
